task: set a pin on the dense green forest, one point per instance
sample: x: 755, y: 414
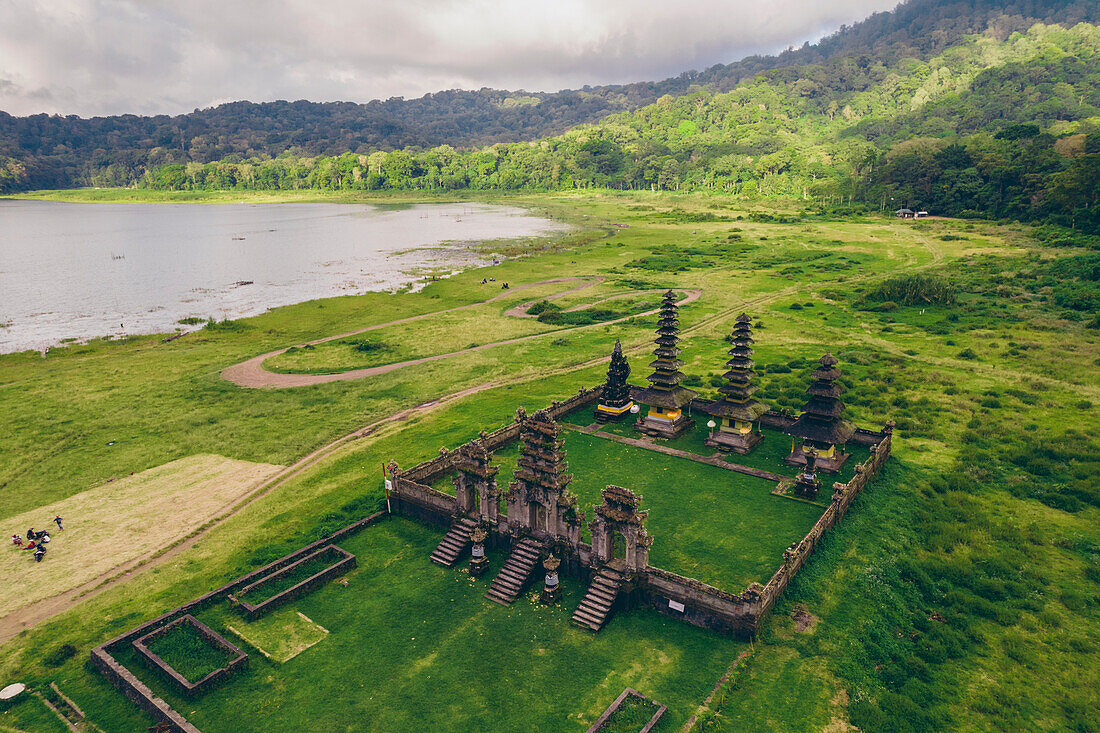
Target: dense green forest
x: 989, y: 127
x: 44, y: 151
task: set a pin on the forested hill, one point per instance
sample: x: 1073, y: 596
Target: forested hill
x: 43, y: 151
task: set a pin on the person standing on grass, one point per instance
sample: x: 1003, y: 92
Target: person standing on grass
x: 57, y: 519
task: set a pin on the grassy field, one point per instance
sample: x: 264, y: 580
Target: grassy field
x: 279, y: 635
x: 960, y: 593
x: 718, y: 526
x: 440, y: 654
x: 113, y: 525
x: 29, y: 714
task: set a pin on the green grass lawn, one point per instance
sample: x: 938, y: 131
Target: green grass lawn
x: 412, y: 645
x: 28, y: 714
x: 184, y: 649
x: 718, y: 526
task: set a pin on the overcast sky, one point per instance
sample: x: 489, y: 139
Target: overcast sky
x: 94, y: 57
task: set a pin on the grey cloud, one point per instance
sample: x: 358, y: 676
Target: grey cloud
x: 152, y: 56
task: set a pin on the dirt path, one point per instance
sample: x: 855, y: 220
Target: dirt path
x: 520, y: 311
x: 42, y: 610
x: 252, y: 373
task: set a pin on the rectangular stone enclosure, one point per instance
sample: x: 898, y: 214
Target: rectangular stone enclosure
x: 237, y: 658
x: 342, y: 561
x: 619, y: 702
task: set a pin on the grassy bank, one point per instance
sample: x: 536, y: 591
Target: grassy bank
x: 959, y: 593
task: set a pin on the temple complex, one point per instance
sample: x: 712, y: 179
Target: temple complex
x: 615, y: 402
x: 664, y: 397
x: 820, y: 425
x: 737, y: 411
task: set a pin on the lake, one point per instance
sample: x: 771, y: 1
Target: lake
x: 79, y: 271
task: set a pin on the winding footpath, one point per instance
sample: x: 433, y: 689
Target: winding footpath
x: 251, y: 373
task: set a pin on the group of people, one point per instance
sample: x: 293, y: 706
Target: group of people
x: 485, y: 281
x: 36, y: 541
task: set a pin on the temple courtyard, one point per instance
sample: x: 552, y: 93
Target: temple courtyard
x: 709, y: 522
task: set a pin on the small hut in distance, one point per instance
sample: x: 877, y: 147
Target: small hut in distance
x: 737, y: 410
x: 820, y: 425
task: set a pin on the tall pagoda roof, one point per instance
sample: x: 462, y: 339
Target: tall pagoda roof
x: 820, y: 420
x: 832, y: 431
x: 669, y: 399
x: 737, y: 402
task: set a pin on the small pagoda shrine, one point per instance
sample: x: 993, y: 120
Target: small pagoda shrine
x: 615, y: 402
x: 806, y: 483
x: 539, y: 501
x: 820, y: 425
x: 737, y: 411
x: 664, y: 396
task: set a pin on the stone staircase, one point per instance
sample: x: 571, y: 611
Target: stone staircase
x: 454, y: 542
x: 515, y: 572
x: 596, y: 605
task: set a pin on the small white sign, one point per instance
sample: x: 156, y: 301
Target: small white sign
x: 675, y: 606
x: 389, y: 486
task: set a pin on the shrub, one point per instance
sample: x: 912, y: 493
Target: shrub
x: 364, y: 346
x: 967, y: 354
x: 918, y: 289
x: 58, y: 656
x: 541, y: 307
x: 224, y: 325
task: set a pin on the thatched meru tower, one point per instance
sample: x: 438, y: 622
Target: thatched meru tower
x: 820, y: 426
x: 737, y: 411
x: 539, y: 501
x: 615, y: 402
x: 664, y: 396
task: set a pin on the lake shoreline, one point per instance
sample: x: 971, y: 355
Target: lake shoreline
x: 364, y: 256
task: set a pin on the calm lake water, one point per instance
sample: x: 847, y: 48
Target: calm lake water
x: 86, y: 270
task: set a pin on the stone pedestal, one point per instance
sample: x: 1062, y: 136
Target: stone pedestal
x: 551, y: 594
x: 479, y: 564
x: 733, y: 442
x: 606, y: 413
x: 807, y: 483
x: 661, y: 428
x: 830, y: 464
x: 551, y: 590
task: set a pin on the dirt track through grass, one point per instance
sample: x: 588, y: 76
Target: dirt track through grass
x: 251, y: 373
x: 114, y: 524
